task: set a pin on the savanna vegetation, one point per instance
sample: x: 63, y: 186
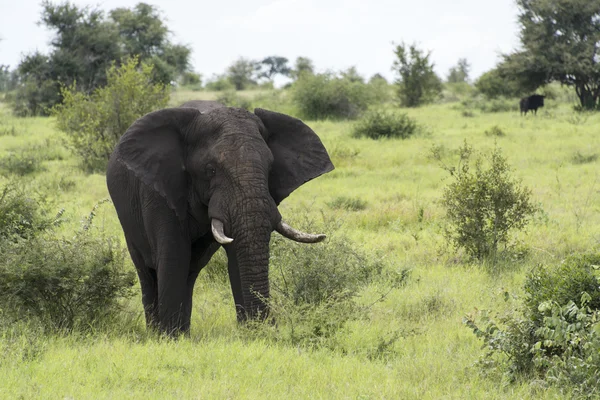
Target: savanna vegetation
x: 461, y: 262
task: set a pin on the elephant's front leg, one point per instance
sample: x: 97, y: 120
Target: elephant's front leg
x: 172, y: 255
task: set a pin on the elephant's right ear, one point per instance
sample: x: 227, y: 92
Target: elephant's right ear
x: 152, y: 148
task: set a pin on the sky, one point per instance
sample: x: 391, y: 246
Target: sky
x: 334, y: 34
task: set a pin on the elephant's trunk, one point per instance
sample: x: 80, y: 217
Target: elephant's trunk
x: 248, y: 259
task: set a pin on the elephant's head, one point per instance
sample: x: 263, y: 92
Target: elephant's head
x: 223, y: 172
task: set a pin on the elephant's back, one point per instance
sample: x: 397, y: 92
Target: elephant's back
x: 202, y: 105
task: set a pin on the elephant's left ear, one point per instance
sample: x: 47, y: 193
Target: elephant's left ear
x: 299, y: 155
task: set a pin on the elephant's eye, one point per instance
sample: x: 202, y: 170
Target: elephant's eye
x: 210, y: 171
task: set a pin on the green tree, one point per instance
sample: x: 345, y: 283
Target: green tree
x: 352, y: 75
x: 417, y: 82
x: 460, y: 72
x: 497, y: 83
x: 242, y: 73
x: 274, y: 65
x: 94, y: 123
x: 301, y: 66
x: 86, y: 43
x: 560, y: 40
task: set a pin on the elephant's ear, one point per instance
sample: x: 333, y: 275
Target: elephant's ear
x: 153, y: 149
x: 299, y: 155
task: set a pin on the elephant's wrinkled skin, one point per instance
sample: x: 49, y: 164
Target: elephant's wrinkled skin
x: 186, y: 180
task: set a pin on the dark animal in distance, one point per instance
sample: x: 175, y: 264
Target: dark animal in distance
x: 532, y: 102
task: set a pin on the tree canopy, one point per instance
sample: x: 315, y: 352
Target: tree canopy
x: 417, y: 81
x: 86, y: 42
x: 560, y: 40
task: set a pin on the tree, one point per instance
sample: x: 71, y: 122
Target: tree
x: 274, y: 65
x: 86, y: 43
x: 301, y: 66
x: 417, y: 83
x: 352, y: 75
x: 242, y: 73
x: 561, y: 42
x: 460, y: 72
x: 94, y: 123
x: 495, y: 83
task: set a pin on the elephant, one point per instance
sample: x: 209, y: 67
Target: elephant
x: 187, y: 180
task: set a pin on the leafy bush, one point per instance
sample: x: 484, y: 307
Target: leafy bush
x: 348, y: 203
x: 231, y: 99
x: 95, y: 123
x: 582, y: 158
x: 324, y: 96
x: 219, y: 83
x: 20, y: 163
x: 495, y: 131
x: 315, y: 291
x: 63, y: 284
x: 22, y: 215
x: 555, y: 335
x: 381, y: 124
x: 34, y: 97
x: 483, y: 205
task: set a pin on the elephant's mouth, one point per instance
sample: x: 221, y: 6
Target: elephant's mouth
x: 283, y: 228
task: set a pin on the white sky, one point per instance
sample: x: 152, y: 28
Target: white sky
x: 335, y: 34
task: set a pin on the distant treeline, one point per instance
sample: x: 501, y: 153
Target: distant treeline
x: 559, y: 44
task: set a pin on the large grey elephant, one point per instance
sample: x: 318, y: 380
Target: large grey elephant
x: 187, y: 180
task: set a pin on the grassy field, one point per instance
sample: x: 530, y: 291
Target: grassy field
x: 433, y: 353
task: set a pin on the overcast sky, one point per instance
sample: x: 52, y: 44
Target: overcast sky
x: 335, y: 34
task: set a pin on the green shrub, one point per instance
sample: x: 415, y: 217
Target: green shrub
x: 348, y: 203
x: 483, y: 205
x: 378, y: 124
x: 495, y: 131
x: 554, y: 336
x: 564, y: 283
x: 22, y: 215
x: 230, y: 98
x: 20, y: 163
x: 219, y: 83
x: 324, y: 96
x: 581, y: 158
x: 34, y: 97
x: 95, y: 123
x: 63, y: 284
x: 315, y: 291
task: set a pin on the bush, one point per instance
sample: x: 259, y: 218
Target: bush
x: 315, y: 292
x: 63, y: 284
x: 495, y: 131
x: 21, y: 163
x: 219, y: 83
x: 95, y: 123
x: 21, y: 215
x: 554, y: 336
x: 324, y: 96
x: 483, y: 206
x: 230, y: 98
x: 33, y: 97
x: 378, y: 124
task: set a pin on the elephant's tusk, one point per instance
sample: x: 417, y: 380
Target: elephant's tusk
x: 217, y: 231
x: 297, y: 235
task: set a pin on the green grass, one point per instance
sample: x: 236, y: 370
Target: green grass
x: 412, y: 344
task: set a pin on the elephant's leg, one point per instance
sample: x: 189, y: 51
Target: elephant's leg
x: 171, y: 254
x: 148, y: 283
x: 202, y: 252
